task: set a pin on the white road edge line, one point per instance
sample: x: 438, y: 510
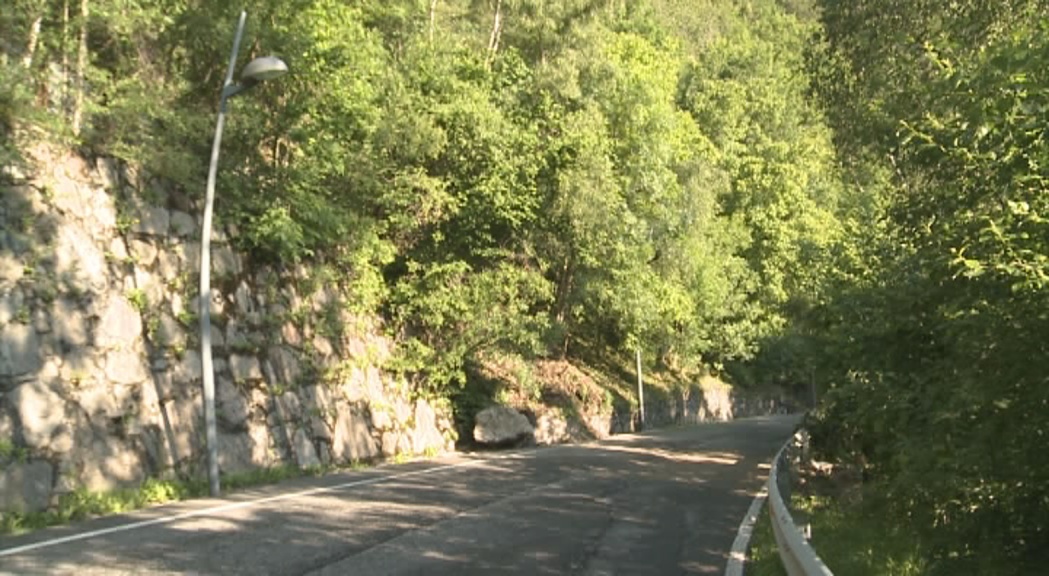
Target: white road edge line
x: 228, y: 507
x: 738, y: 556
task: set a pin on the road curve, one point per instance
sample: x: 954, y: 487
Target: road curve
x: 664, y: 502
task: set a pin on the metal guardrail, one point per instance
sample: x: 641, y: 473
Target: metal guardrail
x: 798, y: 557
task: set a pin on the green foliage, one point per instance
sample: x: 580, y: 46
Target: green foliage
x: 476, y: 394
x: 9, y: 451
x: 15, y: 102
x: 453, y: 314
x: 851, y: 536
x: 138, y: 299
x: 930, y: 343
x: 271, y: 475
x: 763, y: 554
x: 623, y: 183
x: 155, y: 491
x: 859, y: 539
x: 748, y: 94
x: 125, y: 222
x: 81, y: 504
x: 23, y: 315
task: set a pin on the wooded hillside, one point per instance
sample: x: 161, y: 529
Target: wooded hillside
x: 520, y: 174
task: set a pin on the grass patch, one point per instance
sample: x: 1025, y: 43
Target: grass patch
x: 855, y: 539
x: 763, y: 557
x: 273, y: 475
x: 82, y: 504
x: 850, y: 533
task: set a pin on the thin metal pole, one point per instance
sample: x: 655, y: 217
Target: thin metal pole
x: 640, y: 389
x: 207, y: 369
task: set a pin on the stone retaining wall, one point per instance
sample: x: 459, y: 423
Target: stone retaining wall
x: 99, y: 356
x: 711, y: 402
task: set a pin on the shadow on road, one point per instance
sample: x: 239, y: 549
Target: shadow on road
x: 666, y: 503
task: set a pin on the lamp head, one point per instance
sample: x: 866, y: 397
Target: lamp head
x: 263, y: 68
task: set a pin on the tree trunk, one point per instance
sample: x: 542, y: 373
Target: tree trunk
x: 81, y: 69
x: 564, y: 287
x: 561, y: 300
x: 34, y: 39
x: 65, y: 57
x: 497, y: 28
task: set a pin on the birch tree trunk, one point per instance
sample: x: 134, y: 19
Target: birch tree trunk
x: 561, y: 299
x: 65, y: 56
x: 34, y: 39
x: 81, y: 67
x: 497, y: 27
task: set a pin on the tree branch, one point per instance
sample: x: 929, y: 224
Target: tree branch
x: 497, y: 27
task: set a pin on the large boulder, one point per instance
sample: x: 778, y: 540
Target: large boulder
x: 503, y: 426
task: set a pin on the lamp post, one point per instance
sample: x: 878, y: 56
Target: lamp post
x: 258, y: 70
x: 640, y: 391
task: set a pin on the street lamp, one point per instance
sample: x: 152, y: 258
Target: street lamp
x: 258, y: 70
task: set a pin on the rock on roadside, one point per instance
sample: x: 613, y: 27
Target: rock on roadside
x: 500, y: 426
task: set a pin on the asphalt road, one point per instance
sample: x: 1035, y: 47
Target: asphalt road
x: 663, y: 502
